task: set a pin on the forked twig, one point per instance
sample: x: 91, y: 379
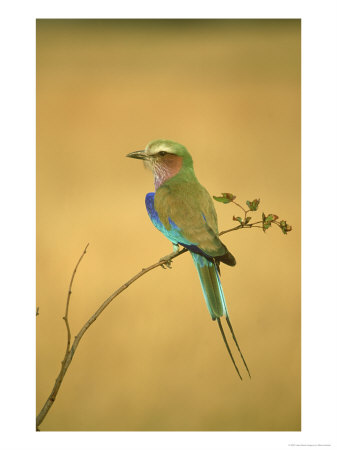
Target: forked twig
x: 65, y: 364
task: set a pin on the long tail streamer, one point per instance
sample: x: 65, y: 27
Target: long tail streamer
x: 228, y: 349
x: 237, y: 345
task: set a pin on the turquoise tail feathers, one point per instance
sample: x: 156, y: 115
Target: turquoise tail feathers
x: 211, y: 286
x: 215, y: 300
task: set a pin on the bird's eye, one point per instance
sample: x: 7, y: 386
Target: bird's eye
x: 162, y: 153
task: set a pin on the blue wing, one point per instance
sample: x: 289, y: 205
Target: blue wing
x: 173, y: 234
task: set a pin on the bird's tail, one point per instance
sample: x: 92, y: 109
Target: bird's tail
x: 215, y: 300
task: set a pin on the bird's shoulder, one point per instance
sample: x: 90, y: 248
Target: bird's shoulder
x: 189, y: 197
x: 189, y: 191
x: 191, y: 208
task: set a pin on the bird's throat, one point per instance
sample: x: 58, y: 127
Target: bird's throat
x: 166, y: 168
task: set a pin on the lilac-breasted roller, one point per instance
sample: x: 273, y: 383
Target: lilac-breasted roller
x: 183, y: 211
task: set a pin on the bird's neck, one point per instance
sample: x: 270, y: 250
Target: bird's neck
x: 168, y: 167
x: 174, y: 170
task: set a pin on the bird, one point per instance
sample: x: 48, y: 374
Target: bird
x: 183, y: 210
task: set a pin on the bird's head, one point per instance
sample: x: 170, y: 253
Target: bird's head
x: 165, y: 158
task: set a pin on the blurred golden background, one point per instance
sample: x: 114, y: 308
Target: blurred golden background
x: 229, y: 90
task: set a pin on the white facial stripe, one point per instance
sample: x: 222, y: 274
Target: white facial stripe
x: 152, y: 151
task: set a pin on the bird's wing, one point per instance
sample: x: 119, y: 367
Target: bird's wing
x: 190, y: 208
x: 171, y: 231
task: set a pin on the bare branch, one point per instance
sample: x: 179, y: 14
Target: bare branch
x: 70, y: 351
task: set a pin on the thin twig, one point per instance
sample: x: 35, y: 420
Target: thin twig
x: 71, y: 350
x: 243, y: 209
x: 238, y: 227
x: 64, y: 366
x: 65, y: 318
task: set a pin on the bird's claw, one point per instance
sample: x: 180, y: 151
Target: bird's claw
x: 167, y: 262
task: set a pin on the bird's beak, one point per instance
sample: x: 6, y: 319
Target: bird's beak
x: 140, y: 154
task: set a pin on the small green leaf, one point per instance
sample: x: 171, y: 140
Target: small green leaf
x: 247, y: 219
x: 271, y: 217
x: 267, y: 220
x: 263, y: 222
x: 266, y: 225
x: 253, y: 205
x: 226, y: 198
x: 285, y: 227
x: 238, y: 219
x: 221, y: 199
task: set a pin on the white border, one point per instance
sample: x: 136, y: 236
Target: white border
x: 319, y: 42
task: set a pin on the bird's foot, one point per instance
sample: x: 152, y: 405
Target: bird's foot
x: 167, y: 260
